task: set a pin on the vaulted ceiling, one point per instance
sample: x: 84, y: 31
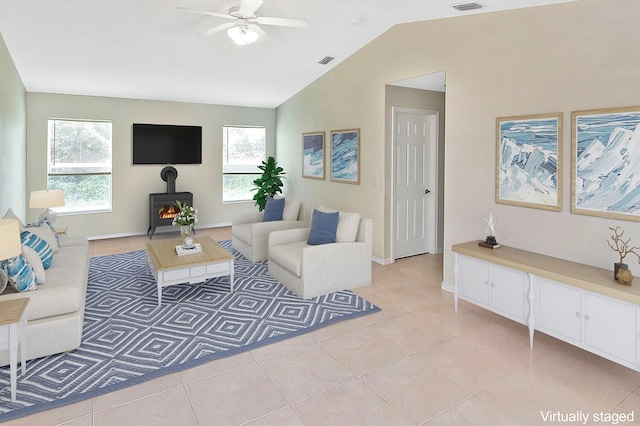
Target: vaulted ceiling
x: 148, y: 49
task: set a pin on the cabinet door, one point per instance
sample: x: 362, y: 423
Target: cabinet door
x: 473, y: 280
x: 560, y: 310
x: 610, y: 327
x: 508, y: 292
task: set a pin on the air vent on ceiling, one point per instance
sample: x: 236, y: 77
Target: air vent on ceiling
x: 326, y: 60
x: 464, y: 7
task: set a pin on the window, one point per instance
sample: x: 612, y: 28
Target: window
x: 243, y: 150
x: 79, y: 163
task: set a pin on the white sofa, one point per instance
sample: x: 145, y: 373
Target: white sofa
x: 314, y: 270
x: 56, y: 309
x: 249, y: 234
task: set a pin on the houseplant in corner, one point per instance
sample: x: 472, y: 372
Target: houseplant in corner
x: 621, y: 271
x: 269, y: 184
x: 186, y: 218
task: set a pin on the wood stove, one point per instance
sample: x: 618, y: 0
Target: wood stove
x: 162, y: 208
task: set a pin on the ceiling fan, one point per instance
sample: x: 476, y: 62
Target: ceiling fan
x: 244, y: 27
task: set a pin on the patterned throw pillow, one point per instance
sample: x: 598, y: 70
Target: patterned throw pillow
x: 39, y: 245
x: 20, y: 273
x: 45, y: 230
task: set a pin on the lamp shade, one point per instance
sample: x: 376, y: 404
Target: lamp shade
x: 242, y: 35
x: 45, y: 199
x: 10, y: 244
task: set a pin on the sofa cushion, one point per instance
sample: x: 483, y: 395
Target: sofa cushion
x: 34, y: 260
x: 323, y: 228
x: 289, y: 256
x: 291, y: 209
x: 348, y: 225
x: 273, y: 210
x: 71, y: 254
x: 39, y: 245
x: 20, y: 273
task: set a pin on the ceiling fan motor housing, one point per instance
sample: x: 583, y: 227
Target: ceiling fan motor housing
x: 235, y: 12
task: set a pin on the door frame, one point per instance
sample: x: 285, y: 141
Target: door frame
x: 433, y: 117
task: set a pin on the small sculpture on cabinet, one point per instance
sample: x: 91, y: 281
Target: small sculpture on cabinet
x: 490, y: 241
x: 621, y: 272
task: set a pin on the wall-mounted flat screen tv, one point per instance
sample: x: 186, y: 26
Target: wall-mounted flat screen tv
x: 166, y: 144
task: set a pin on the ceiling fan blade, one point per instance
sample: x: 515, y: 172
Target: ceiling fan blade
x: 282, y: 22
x: 217, y: 29
x: 204, y: 12
x: 250, y: 7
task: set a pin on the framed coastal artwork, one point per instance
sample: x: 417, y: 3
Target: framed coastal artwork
x: 345, y: 156
x: 605, y: 163
x: 529, y: 161
x: 313, y: 155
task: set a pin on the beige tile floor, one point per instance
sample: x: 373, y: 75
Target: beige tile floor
x: 415, y: 362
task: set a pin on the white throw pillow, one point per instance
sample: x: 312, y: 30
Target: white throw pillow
x: 34, y: 260
x: 348, y: 225
x: 291, y: 209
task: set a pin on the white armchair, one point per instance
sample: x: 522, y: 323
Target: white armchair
x: 249, y: 234
x: 314, y: 270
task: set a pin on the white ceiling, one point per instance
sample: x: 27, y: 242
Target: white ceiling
x: 146, y: 49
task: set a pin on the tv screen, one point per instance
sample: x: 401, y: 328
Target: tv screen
x: 167, y: 144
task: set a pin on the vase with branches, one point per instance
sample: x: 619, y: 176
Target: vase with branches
x: 621, y: 246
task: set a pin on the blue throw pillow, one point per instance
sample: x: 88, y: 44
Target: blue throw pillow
x: 20, y: 273
x: 273, y: 210
x: 39, y: 245
x: 323, y: 228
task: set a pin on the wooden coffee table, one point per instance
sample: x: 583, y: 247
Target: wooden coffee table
x: 170, y: 269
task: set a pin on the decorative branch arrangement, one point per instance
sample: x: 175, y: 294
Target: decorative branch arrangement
x: 621, y: 246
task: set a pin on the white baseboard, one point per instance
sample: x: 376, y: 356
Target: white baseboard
x: 382, y: 261
x: 162, y: 230
x: 447, y: 287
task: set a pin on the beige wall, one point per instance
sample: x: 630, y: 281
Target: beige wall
x: 560, y: 58
x: 132, y: 184
x: 13, y: 131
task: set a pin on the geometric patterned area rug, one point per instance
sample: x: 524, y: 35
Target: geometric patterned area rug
x: 128, y: 339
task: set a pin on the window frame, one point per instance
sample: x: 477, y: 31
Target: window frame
x: 225, y: 151
x: 63, y: 211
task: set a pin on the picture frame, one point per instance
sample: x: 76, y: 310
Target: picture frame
x: 605, y: 162
x: 529, y: 161
x: 313, y: 155
x: 345, y: 156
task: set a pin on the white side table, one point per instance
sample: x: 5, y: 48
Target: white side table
x: 13, y: 333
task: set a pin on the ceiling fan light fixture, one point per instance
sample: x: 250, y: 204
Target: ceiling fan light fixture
x: 242, y: 35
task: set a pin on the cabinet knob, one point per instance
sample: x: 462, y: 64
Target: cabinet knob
x: 493, y: 285
x: 577, y: 314
x: 486, y: 283
x: 586, y: 317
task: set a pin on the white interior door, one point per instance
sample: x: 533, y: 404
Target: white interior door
x: 415, y: 142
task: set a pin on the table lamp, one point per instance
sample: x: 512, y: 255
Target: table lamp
x: 10, y: 246
x: 45, y: 200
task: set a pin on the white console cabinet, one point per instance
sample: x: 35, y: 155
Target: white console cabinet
x: 499, y: 289
x: 576, y: 303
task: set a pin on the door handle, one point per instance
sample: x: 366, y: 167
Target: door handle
x: 426, y: 191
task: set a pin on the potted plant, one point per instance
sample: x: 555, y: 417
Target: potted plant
x: 269, y: 184
x: 186, y: 218
x: 622, y: 247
